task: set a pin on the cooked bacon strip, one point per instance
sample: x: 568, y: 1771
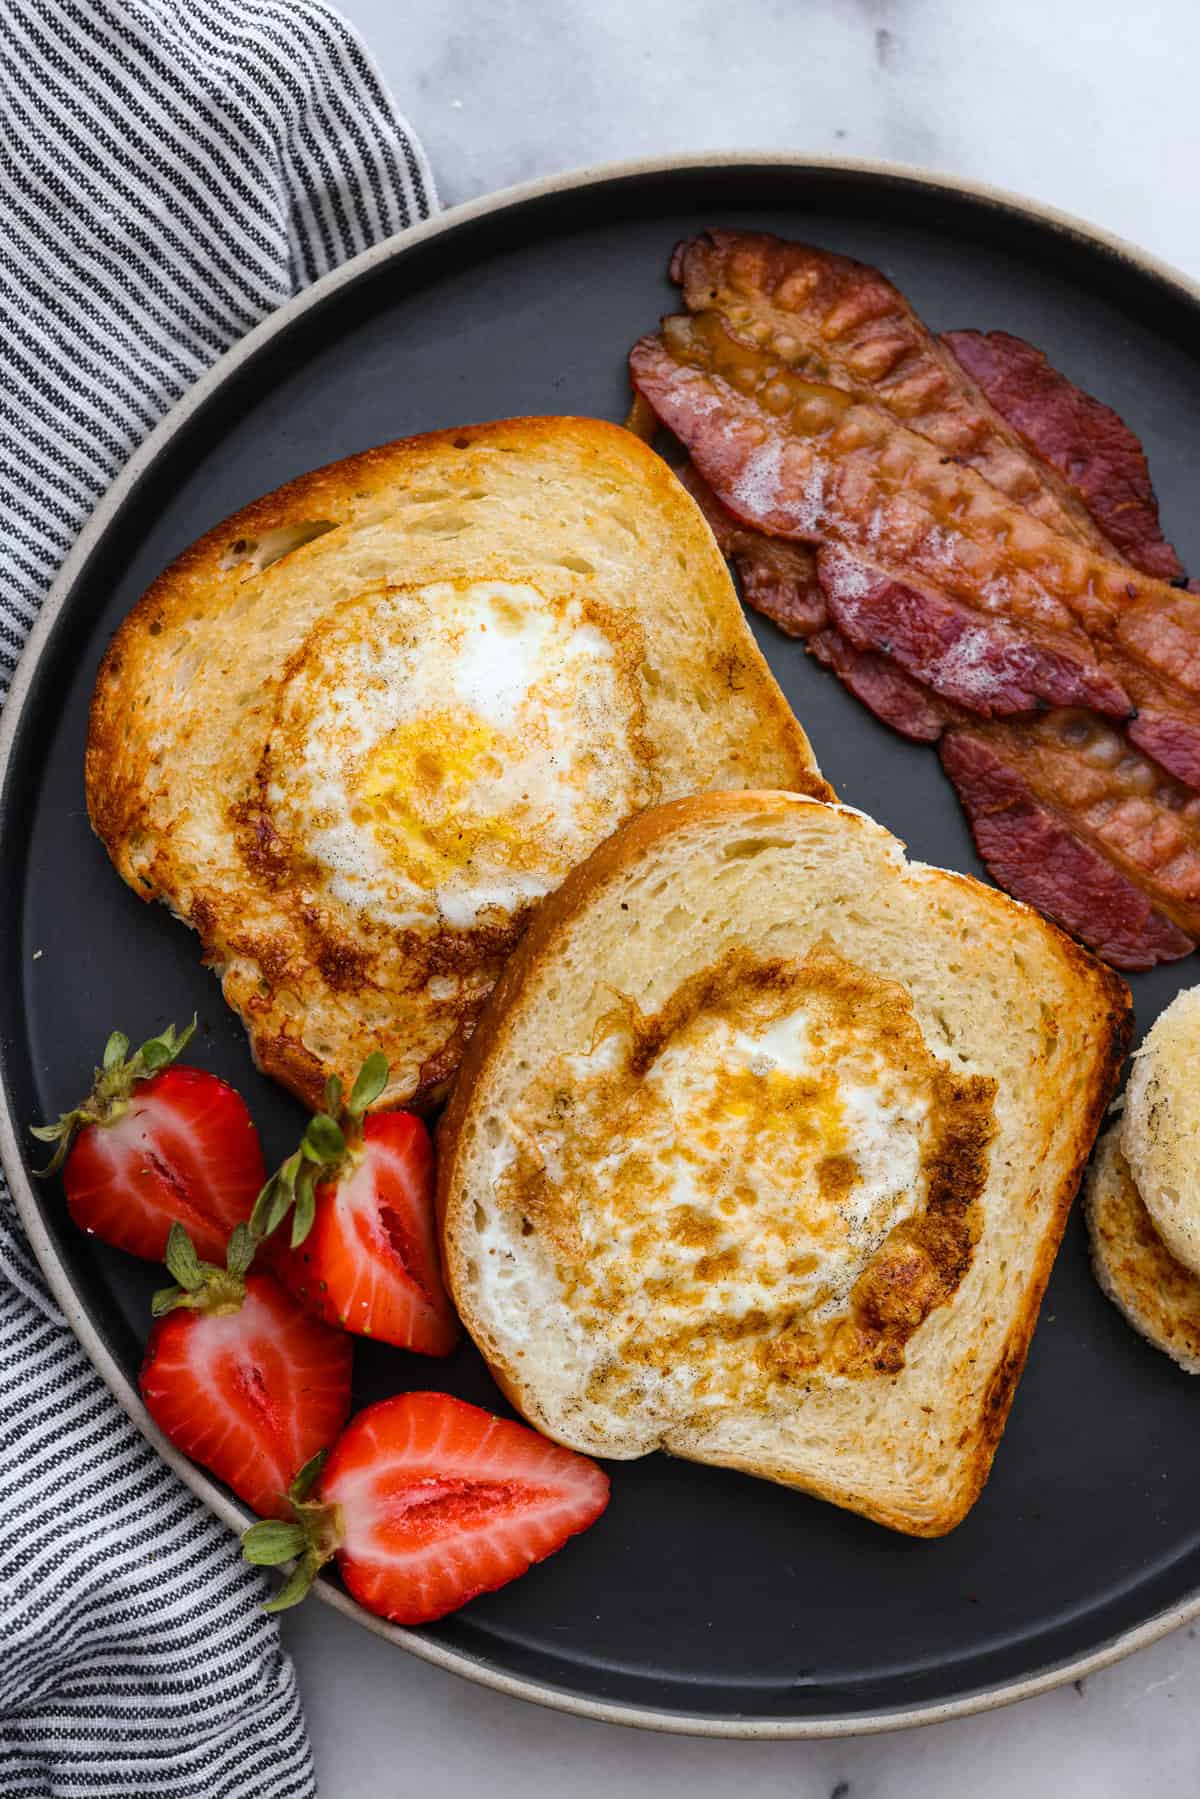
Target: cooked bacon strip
x: 1170, y: 742
x: 828, y: 315
x: 842, y: 323
x: 1101, y: 841
x: 806, y: 461
x: 978, y: 662
x: 778, y: 579
x: 1066, y: 816
x: 981, y: 664
x: 893, y: 696
x: 809, y: 463
x: 1089, y: 445
x: 1067, y: 813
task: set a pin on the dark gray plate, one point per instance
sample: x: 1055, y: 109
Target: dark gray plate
x: 702, y: 1600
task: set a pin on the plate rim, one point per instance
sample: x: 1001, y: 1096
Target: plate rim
x: 12, y: 1160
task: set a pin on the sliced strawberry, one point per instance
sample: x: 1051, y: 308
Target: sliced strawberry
x: 184, y: 1150
x: 250, y: 1390
x: 363, y: 1248
x: 370, y: 1261
x: 157, y: 1143
x: 427, y: 1502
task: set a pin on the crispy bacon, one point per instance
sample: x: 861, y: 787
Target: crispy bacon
x: 977, y: 661
x: 1102, y: 842
x: 778, y: 579
x: 805, y: 461
x: 1066, y: 810
x: 843, y: 323
x: 1089, y: 445
x: 984, y: 397
x: 884, y: 689
x: 809, y: 463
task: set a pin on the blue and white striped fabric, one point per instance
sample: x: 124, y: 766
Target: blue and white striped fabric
x: 170, y: 172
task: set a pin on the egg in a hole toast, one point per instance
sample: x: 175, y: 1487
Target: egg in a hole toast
x: 763, y: 1149
x: 357, y: 732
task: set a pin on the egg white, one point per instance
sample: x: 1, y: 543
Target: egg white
x: 446, y: 753
x: 733, y: 1125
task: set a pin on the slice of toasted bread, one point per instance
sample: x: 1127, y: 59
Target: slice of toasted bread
x: 763, y: 1148
x: 1156, y: 1293
x: 1160, y: 1127
x: 355, y: 733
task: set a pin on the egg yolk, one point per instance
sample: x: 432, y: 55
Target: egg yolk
x: 415, y: 792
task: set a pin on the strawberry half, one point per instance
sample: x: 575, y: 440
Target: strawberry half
x: 239, y: 1376
x: 157, y: 1143
x: 363, y: 1248
x: 426, y: 1502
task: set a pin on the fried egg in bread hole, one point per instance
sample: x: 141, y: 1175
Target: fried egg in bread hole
x: 439, y: 756
x: 773, y: 1180
x: 445, y: 753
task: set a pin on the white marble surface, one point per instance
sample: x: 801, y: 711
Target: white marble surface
x: 1083, y: 103
x: 1087, y: 104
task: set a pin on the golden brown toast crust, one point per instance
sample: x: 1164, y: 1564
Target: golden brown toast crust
x: 543, y: 942
x: 317, y: 988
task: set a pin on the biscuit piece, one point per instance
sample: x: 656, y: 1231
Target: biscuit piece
x: 1156, y: 1293
x: 1160, y: 1129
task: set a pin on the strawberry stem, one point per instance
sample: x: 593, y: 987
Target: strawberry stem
x: 310, y: 1541
x: 330, y: 1144
x: 112, y: 1086
x: 202, y: 1286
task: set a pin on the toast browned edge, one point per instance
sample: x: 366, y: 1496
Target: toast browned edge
x: 302, y: 498
x: 1115, y: 1020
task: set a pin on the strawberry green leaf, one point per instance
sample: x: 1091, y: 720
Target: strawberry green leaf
x: 306, y: 1210
x: 270, y: 1542
x: 59, y: 1134
x: 274, y: 1202
x: 323, y: 1140
x: 113, y: 1086
x: 182, y: 1260
x: 306, y: 1478
x: 296, y: 1587
x: 165, y: 1300
x: 158, y: 1051
x: 322, y: 1148
x: 281, y: 1204
x: 262, y: 1207
x: 202, y: 1286
x: 372, y: 1079
x: 333, y: 1096
x: 240, y: 1252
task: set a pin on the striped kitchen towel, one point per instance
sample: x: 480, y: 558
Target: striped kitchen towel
x: 170, y: 172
